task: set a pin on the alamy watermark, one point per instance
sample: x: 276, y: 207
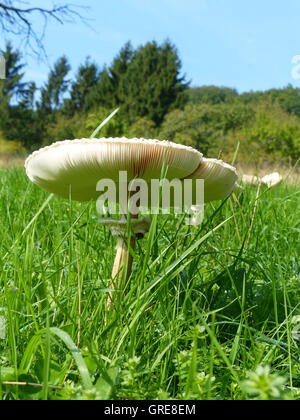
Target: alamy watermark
x: 296, y: 67
x: 2, y: 327
x: 2, y: 68
x: 151, y: 197
x: 296, y: 327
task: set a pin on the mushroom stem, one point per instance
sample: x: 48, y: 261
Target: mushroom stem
x: 124, y: 248
x: 120, y: 262
x: 119, y: 265
x: 120, y: 259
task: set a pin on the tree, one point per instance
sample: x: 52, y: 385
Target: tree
x: 274, y: 133
x: 56, y: 86
x: 29, y: 96
x: 13, y: 87
x: 107, y: 92
x: 145, y: 82
x: 288, y: 98
x: 211, y: 95
x: 152, y: 85
x: 206, y: 127
x: 16, y: 99
x: 119, y: 68
x: 196, y: 126
x: 86, y: 79
x: 19, y: 20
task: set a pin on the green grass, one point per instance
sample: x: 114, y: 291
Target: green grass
x: 208, y: 313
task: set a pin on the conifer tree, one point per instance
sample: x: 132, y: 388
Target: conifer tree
x: 13, y: 87
x: 56, y: 86
x: 152, y: 85
x: 86, y: 79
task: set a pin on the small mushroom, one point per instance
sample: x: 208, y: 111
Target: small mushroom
x: 251, y: 179
x: 73, y: 168
x: 272, y: 179
x: 268, y: 181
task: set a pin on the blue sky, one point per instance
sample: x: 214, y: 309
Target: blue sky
x: 245, y: 44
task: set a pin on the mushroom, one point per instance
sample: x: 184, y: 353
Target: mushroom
x: 73, y: 168
x: 219, y: 181
x: 219, y: 178
x: 268, y: 181
x: 251, y: 179
x: 272, y: 179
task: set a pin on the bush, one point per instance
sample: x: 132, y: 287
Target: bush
x: 273, y: 135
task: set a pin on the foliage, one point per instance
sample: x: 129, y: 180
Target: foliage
x: 211, y: 95
x: 55, y: 87
x: 86, y: 79
x: 154, y: 101
x: 145, y: 81
x: 263, y: 131
x: 152, y: 86
x: 63, y: 128
x: 274, y: 134
x: 142, y: 128
x: 205, y: 126
x: 9, y: 147
x: 13, y: 87
x: 287, y: 98
x: 108, y: 92
x: 18, y: 120
x: 115, y: 128
x: 263, y: 385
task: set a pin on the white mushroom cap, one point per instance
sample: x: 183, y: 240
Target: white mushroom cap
x: 271, y: 180
x: 76, y: 166
x: 219, y: 178
x: 251, y: 179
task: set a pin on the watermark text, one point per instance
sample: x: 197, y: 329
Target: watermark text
x: 155, y: 196
x: 2, y: 68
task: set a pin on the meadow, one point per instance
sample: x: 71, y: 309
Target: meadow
x: 210, y: 312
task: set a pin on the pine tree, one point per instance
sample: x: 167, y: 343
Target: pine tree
x: 28, y: 100
x: 118, y: 71
x: 107, y: 91
x: 56, y: 86
x: 145, y: 82
x: 152, y: 85
x: 86, y: 80
x: 13, y: 88
x: 16, y: 119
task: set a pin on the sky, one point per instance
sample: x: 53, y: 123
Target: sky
x: 243, y: 44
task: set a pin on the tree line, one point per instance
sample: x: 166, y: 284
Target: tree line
x: 155, y: 100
